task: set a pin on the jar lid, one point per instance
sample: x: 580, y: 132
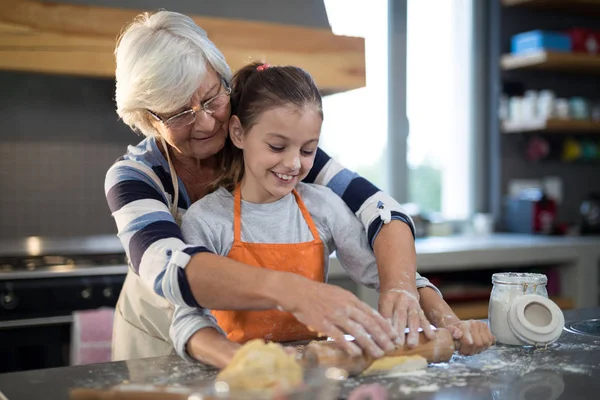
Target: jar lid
x: 536, y: 320
x: 520, y: 278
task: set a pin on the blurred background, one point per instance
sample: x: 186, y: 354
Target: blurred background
x: 482, y: 117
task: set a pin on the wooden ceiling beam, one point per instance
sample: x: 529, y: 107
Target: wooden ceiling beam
x: 34, y: 36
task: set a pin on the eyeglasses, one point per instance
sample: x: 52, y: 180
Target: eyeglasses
x: 188, y: 117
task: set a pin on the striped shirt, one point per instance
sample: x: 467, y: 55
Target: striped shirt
x: 139, y: 191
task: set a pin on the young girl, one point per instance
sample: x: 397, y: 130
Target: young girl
x: 263, y: 215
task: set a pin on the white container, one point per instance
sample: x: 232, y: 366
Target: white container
x: 520, y: 312
x: 561, y: 109
x: 545, y: 104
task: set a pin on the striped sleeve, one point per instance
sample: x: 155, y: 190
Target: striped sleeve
x: 365, y: 200
x: 152, y: 240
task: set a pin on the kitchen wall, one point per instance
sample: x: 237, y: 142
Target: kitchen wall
x: 578, y: 179
x: 58, y: 136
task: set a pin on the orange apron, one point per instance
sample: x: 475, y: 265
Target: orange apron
x: 306, y: 259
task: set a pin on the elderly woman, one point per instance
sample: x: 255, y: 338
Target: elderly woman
x: 172, y: 85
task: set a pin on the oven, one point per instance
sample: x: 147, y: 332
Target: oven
x: 42, y: 282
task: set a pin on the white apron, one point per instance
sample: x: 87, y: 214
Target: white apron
x: 142, y: 321
x: 143, y: 318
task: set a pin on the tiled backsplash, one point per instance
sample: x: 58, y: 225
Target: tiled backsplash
x: 58, y: 137
x: 55, y: 189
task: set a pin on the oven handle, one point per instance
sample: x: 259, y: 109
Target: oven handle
x: 23, y: 323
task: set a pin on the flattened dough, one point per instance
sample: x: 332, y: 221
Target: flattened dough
x: 396, y: 364
x: 258, y: 366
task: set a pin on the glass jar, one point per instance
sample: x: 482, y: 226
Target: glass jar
x: 509, y: 286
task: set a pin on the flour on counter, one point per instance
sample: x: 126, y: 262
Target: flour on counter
x: 425, y: 388
x: 502, y: 368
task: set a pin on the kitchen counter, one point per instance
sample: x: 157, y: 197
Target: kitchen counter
x: 501, y: 249
x: 567, y: 369
x: 577, y: 256
x: 578, y: 259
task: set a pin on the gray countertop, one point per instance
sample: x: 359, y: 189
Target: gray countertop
x: 426, y: 247
x: 433, y: 253
x: 64, y: 246
x: 568, y: 369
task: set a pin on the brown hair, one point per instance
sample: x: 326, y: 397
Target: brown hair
x: 257, y: 88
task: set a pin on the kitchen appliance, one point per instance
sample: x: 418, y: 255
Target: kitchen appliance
x: 42, y: 282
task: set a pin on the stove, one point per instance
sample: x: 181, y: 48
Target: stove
x: 42, y: 282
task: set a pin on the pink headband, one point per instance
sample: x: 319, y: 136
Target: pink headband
x: 263, y: 67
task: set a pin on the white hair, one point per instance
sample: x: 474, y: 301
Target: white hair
x: 161, y: 60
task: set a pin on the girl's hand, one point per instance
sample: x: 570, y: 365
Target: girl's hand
x: 211, y: 347
x: 473, y: 336
x: 332, y: 311
x: 404, y: 311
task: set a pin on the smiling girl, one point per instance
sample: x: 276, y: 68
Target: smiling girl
x: 261, y: 214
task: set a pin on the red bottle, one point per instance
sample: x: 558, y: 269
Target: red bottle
x: 585, y: 40
x: 544, y: 215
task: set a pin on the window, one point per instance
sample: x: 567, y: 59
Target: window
x: 439, y: 102
x: 439, y: 106
x: 355, y: 125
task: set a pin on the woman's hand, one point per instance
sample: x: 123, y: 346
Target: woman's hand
x: 473, y: 336
x: 402, y: 307
x: 332, y: 311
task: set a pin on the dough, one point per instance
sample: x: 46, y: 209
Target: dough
x: 396, y: 364
x: 258, y: 366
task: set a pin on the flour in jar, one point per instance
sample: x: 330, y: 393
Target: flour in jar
x: 507, y: 288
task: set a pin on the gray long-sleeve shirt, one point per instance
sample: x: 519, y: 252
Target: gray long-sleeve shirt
x: 209, y: 223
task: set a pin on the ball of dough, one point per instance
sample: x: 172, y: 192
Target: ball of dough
x: 260, y: 366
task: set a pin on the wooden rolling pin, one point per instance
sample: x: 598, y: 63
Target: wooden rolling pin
x: 329, y: 354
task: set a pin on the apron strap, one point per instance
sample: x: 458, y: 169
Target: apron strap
x: 306, y: 215
x: 173, y: 207
x: 237, y: 215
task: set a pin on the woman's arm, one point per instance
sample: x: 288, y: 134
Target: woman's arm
x: 138, y: 200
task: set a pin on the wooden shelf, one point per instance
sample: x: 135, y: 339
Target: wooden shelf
x: 575, y: 6
x: 551, y: 126
x: 61, y: 38
x: 552, y: 61
x: 479, y: 310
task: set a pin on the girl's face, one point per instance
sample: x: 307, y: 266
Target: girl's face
x: 204, y: 136
x: 279, y: 151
